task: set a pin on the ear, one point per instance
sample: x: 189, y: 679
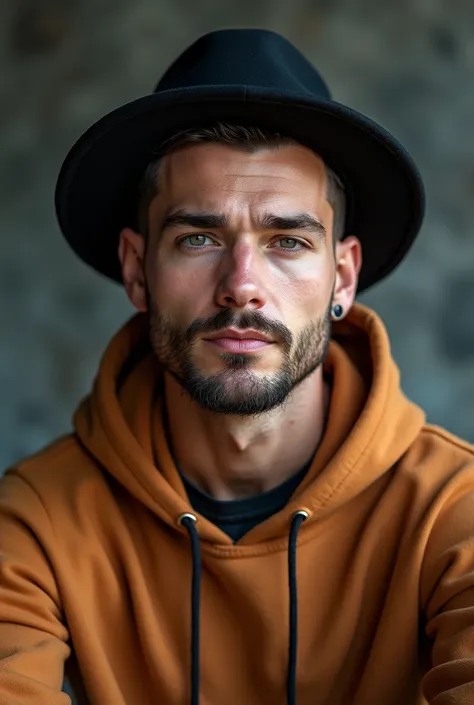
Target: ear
x: 348, y: 264
x: 131, y: 253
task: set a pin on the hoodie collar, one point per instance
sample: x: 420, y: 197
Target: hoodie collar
x: 370, y: 424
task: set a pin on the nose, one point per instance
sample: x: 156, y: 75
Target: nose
x: 241, y: 283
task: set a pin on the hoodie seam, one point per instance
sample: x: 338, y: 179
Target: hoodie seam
x: 234, y: 552
x: 448, y: 438
x: 349, y: 467
x: 129, y: 462
x: 31, y: 528
x: 36, y: 493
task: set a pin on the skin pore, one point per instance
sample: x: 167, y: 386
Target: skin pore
x: 241, y: 240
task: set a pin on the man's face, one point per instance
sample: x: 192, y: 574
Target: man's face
x: 240, y: 241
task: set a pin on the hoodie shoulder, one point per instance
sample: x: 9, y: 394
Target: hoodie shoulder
x: 438, y: 458
x: 64, y: 462
x: 445, y: 439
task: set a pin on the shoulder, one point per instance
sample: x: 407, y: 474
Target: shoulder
x: 438, y: 466
x: 54, y: 473
x: 442, y: 439
x: 439, y: 448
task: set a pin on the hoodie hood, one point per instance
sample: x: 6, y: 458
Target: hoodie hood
x: 370, y: 425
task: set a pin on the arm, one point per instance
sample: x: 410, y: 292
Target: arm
x: 447, y: 591
x: 33, y: 638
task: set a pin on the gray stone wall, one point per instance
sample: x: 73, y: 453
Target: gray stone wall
x: 408, y: 64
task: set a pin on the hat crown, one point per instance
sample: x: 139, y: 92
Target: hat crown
x: 244, y: 57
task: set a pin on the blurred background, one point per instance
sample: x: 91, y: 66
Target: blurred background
x: 408, y: 64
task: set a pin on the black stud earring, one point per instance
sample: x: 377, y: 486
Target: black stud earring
x: 337, y: 311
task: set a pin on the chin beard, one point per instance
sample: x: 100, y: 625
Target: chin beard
x: 237, y: 390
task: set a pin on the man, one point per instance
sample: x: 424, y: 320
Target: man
x: 248, y: 510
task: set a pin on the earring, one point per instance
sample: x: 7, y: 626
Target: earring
x: 337, y: 311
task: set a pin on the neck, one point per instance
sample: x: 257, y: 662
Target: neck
x: 232, y: 457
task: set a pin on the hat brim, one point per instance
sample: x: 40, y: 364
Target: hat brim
x: 97, y: 186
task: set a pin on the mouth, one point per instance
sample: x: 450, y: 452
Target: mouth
x: 239, y: 341
x: 238, y: 344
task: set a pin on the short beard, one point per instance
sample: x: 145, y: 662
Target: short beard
x: 237, y: 390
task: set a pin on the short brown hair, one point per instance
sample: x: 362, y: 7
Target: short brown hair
x: 250, y: 139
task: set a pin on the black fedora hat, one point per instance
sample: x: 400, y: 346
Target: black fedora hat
x: 248, y: 77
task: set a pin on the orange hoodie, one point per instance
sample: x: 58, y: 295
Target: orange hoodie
x: 378, y: 574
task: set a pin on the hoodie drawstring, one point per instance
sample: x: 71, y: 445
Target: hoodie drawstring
x: 298, y: 518
x: 188, y: 520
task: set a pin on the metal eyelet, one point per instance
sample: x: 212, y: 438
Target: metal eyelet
x: 302, y: 512
x: 186, y: 515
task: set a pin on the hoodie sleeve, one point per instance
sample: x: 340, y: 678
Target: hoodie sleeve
x: 33, y: 638
x: 447, y: 591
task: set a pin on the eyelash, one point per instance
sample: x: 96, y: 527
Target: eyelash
x: 284, y: 249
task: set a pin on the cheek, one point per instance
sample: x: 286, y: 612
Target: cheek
x: 306, y: 293
x: 179, y: 291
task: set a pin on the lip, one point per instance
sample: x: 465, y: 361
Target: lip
x: 239, y: 340
x: 238, y: 344
x: 239, y: 335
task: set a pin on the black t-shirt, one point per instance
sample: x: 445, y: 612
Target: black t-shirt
x: 237, y: 516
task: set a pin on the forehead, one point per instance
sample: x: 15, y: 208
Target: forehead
x: 211, y: 174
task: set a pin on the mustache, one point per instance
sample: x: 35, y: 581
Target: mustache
x: 227, y: 318
x: 248, y: 319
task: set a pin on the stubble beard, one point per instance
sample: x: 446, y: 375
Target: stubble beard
x: 238, y: 390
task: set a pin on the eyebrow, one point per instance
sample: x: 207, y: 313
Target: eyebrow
x: 297, y: 221
x: 194, y: 220
x: 269, y: 221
